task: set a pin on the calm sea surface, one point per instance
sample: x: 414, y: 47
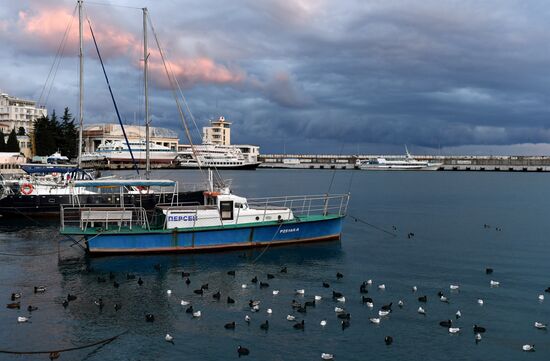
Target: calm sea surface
x: 445, y: 210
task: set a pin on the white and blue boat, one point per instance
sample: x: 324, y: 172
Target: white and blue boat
x: 224, y: 221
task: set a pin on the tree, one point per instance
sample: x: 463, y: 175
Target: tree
x: 68, y: 144
x: 12, y: 145
x: 44, y: 138
x: 2, y: 141
x: 21, y: 131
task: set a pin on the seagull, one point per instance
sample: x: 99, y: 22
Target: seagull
x: 255, y: 308
x: 169, y: 292
x: 369, y: 282
x: 327, y: 356
x: 444, y: 299
x: 421, y: 311
x: 414, y: 288
x: 323, y: 323
x: 15, y: 296
x: 290, y: 318
x: 375, y: 320
x: 458, y: 314
x: 382, y: 287
x: 384, y: 312
x: 253, y: 303
x: 318, y: 298
x: 540, y: 325
x: 541, y: 297
x: 22, y: 319
x: 242, y: 351
x: 197, y: 314
x: 338, y: 310
x: 370, y: 304
x: 169, y: 338
x: 247, y: 318
x: 269, y: 311
x: 478, y: 337
x: 400, y: 303
x: 454, y: 329
x: 341, y: 299
x: 244, y: 285
x: 528, y: 348
x: 480, y: 302
x: 454, y: 287
x: 300, y: 291
x: 494, y: 283
x: 275, y: 292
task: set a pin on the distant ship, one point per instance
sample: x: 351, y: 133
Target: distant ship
x: 406, y: 163
x: 117, y: 151
x: 218, y: 156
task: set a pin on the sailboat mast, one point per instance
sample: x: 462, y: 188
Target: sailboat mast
x: 145, y: 60
x: 80, y: 83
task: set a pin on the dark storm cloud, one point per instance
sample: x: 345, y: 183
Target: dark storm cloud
x: 312, y: 75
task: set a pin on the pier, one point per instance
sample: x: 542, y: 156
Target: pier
x: 449, y: 163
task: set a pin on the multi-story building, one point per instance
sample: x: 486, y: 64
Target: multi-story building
x: 218, y: 133
x: 18, y: 113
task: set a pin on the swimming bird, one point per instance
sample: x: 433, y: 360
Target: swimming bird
x: 270, y: 276
x: 488, y: 271
x: 336, y: 294
x: 323, y: 323
x: 130, y: 276
x: 197, y: 314
x: 187, y: 281
x: 363, y: 288
x: 299, y: 325
x: 386, y: 307
x: 423, y: 299
x: 117, y: 306
x: 264, y: 284
x: 22, y: 319
x: 99, y: 303
x: 295, y: 304
x: 494, y: 283
x: 140, y: 281
x: 32, y: 308
x: 301, y: 309
x: 275, y: 292
x: 479, y: 329
x: 230, y: 300
x: 255, y: 308
x: 204, y: 286
x: 318, y: 298
x: 369, y: 282
x: 339, y: 310
x: 300, y: 291
x: 384, y: 312
x: 444, y: 299
x: 366, y: 299
x: 541, y: 297
x: 169, y: 292
x: 230, y: 326
x: 39, y: 289
x: 14, y: 305
x: 528, y: 348
x: 458, y: 314
x: 341, y: 299
x: 217, y: 296
x: 265, y: 326
x: 414, y: 288
x: 375, y: 320
x: 169, y: 338
x: 480, y: 302
x: 421, y: 311
x: 339, y: 275
x: 540, y: 325
x: 253, y: 303
x: 327, y: 356
x: 477, y: 337
x: 150, y: 317
x: 244, y: 285
x: 231, y: 273
x: 189, y: 309
x: 15, y: 296
x: 446, y: 323
x: 454, y: 329
x: 454, y: 287
x: 247, y: 319
x: 547, y: 290
x: 254, y: 280
x: 54, y: 355
x: 309, y: 303
x: 269, y: 311
x: 283, y: 270
x: 344, y: 316
x: 71, y: 297
x: 290, y: 317
x: 200, y: 291
x: 65, y: 303
x: 184, y: 302
x: 326, y: 285
x: 382, y: 287
x: 242, y: 351
x: 388, y: 340
x: 185, y: 274
x: 400, y: 303
x: 345, y: 324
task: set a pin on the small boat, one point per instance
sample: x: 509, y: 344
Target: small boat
x: 406, y: 163
x: 223, y: 221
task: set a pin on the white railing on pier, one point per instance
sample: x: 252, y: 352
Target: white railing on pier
x: 305, y: 205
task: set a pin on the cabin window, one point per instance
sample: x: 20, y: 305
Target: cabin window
x: 226, y: 210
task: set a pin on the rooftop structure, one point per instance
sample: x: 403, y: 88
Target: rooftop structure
x: 217, y: 133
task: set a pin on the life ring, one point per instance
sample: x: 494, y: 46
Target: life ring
x: 143, y: 190
x: 27, y: 189
x: 211, y: 194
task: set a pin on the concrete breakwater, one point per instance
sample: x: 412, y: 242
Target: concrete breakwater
x: 449, y: 163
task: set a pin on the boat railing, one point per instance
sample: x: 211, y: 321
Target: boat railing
x: 304, y: 205
x: 107, y: 217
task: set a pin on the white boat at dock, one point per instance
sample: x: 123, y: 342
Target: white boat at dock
x: 406, y: 163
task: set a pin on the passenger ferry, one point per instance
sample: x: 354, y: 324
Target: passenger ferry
x: 406, y: 163
x: 218, y: 156
x: 118, y: 151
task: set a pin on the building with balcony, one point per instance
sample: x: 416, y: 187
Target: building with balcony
x: 218, y: 133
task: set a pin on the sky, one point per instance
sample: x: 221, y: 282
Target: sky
x: 302, y: 76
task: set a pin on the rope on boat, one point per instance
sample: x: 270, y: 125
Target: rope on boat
x: 52, y: 352
x: 372, y: 225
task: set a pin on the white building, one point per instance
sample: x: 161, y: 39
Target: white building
x: 217, y: 133
x: 16, y: 113
x: 95, y: 135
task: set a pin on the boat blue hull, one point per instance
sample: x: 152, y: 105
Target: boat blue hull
x: 216, y: 239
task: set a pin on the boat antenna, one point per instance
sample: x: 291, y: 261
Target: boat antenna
x: 147, y: 120
x: 80, y: 83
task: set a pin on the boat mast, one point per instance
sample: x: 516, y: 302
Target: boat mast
x: 81, y: 83
x: 145, y: 59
